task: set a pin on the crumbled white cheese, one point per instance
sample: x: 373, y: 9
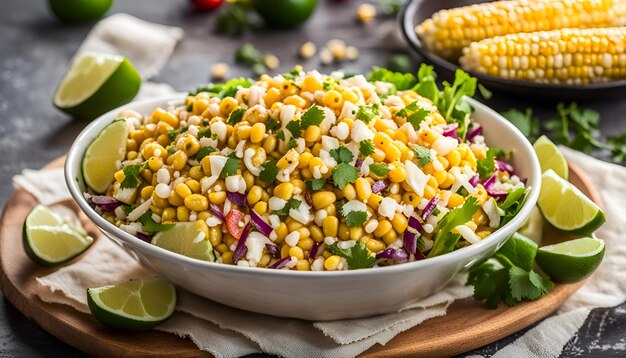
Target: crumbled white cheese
x: 247, y: 161
x: 292, y: 238
x: 353, y: 205
x: 341, y: 131
x: 329, y: 143
x: 255, y: 244
x: 444, y: 145
x: 416, y: 178
x: 220, y: 129
x: 329, y: 119
x: 348, y: 110
x: 490, y: 207
x: 387, y: 208
x: 139, y: 210
x: 276, y: 203
x: 467, y: 234
x: 360, y: 131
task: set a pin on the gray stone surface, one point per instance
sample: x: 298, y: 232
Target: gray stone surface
x: 34, y: 54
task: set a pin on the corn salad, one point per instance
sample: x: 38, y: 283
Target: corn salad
x: 314, y: 172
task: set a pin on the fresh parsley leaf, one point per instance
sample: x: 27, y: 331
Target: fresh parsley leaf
x: 312, y: 117
x: 269, y: 172
x: 294, y: 128
x: 366, y: 147
x: 203, y: 152
x: 356, y: 218
x: 342, y: 154
x: 235, y: 116
x: 272, y: 123
x: 414, y: 114
x: 527, y: 285
x: 149, y: 225
x: 343, y: 174
x: 230, y: 168
x: 380, y: 169
x: 402, y: 81
x: 357, y: 256
x: 524, y: 121
x: 367, y: 113
x: 131, y: 173
x: 423, y: 154
x: 445, y: 239
x: 315, y: 184
x: 291, y: 204
x: 226, y: 89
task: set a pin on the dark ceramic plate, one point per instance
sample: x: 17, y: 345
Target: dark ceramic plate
x: 416, y: 11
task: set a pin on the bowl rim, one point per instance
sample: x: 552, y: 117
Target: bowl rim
x: 406, y: 15
x: 82, y: 141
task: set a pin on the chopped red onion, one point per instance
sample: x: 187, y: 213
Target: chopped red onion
x: 217, y: 212
x: 505, y: 167
x: 143, y: 237
x: 260, y: 224
x: 477, y: 129
x: 415, y: 224
x: 358, y: 163
x: 314, y: 250
x: 419, y: 256
x: 272, y: 249
x: 410, y: 242
x: 281, y: 263
x: 430, y: 207
x: 242, y: 249
x: 307, y: 198
x: 450, y: 131
x: 393, y: 254
x: 474, y: 181
x: 237, y: 198
x: 105, y: 203
x: 487, y: 184
x: 379, y: 186
x: 498, y: 195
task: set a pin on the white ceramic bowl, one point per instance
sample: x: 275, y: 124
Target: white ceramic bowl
x: 313, y: 295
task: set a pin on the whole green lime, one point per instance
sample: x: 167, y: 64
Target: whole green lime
x: 284, y: 13
x: 74, y: 11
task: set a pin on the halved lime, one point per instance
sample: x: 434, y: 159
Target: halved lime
x: 95, y: 84
x: 79, y: 10
x: 42, y: 216
x: 571, y: 261
x: 550, y: 157
x: 53, y: 245
x: 133, y: 305
x: 566, y: 207
x: 186, y: 239
x: 101, y: 157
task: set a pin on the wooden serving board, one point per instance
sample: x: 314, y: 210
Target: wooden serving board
x: 466, y: 326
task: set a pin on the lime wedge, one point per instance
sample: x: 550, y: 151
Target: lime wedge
x: 53, y: 245
x: 566, y: 208
x: 571, y: 261
x: 79, y: 10
x: 550, y: 157
x: 102, y: 155
x: 42, y: 216
x: 186, y: 239
x: 95, y: 84
x: 133, y: 305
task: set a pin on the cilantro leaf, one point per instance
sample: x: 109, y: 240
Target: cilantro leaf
x: 527, y: 285
x: 427, y: 85
x: 414, y: 114
x: 280, y: 134
x: 491, y: 282
x: 315, y: 184
x: 357, y: 256
x: 423, y: 154
x: 291, y: 204
x: 204, y: 133
x: 294, y: 128
x: 272, y: 123
x: 203, y: 152
x: 292, y: 144
x: 226, y: 89
x: 356, y: 218
x: 366, y: 147
x: 445, y: 239
x: 312, y: 117
x: 343, y: 174
x: 380, y: 169
x: 230, y: 168
x: 512, y: 204
x: 486, y: 167
x: 235, y: 116
x: 291, y: 75
x: 131, y: 173
x: 269, y: 172
x: 149, y: 225
x: 524, y: 121
x: 342, y: 154
x: 402, y: 81
x: 519, y: 250
x: 367, y: 113
x: 172, y: 134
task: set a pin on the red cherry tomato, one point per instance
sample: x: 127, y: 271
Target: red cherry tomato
x: 206, y: 5
x: 233, y: 218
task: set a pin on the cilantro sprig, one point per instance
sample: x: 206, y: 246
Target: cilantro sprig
x: 366, y: 147
x: 414, y: 114
x: 315, y: 184
x: 131, y: 173
x: 312, y: 117
x: 269, y: 171
x: 291, y: 204
x: 356, y: 218
x: 380, y: 169
x: 367, y: 113
x: 423, y: 154
x: 149, y: 225
x: 344, y: 174
x: 357, y: 256
x: 230, y: 168
x: 341, y: 154
x: 445, y: 239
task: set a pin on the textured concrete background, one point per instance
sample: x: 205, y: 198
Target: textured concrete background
x: 34, y: 54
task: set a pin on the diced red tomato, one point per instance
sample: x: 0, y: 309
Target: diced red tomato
x: 206, y: 5
x: 234, y: 223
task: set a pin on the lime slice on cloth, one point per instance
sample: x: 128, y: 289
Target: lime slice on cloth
x: 571, y: 261
x: 550, y: 157
x: 133, y: 305
x: 49, y: 241
x: 101, y: 157
x: 79, y: 10
x: 95, y: 84
x: 566, y: 207
x: 186, y: 239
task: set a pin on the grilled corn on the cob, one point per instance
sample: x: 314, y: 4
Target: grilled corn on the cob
x: 567, y: 56
x: 447, y: 32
